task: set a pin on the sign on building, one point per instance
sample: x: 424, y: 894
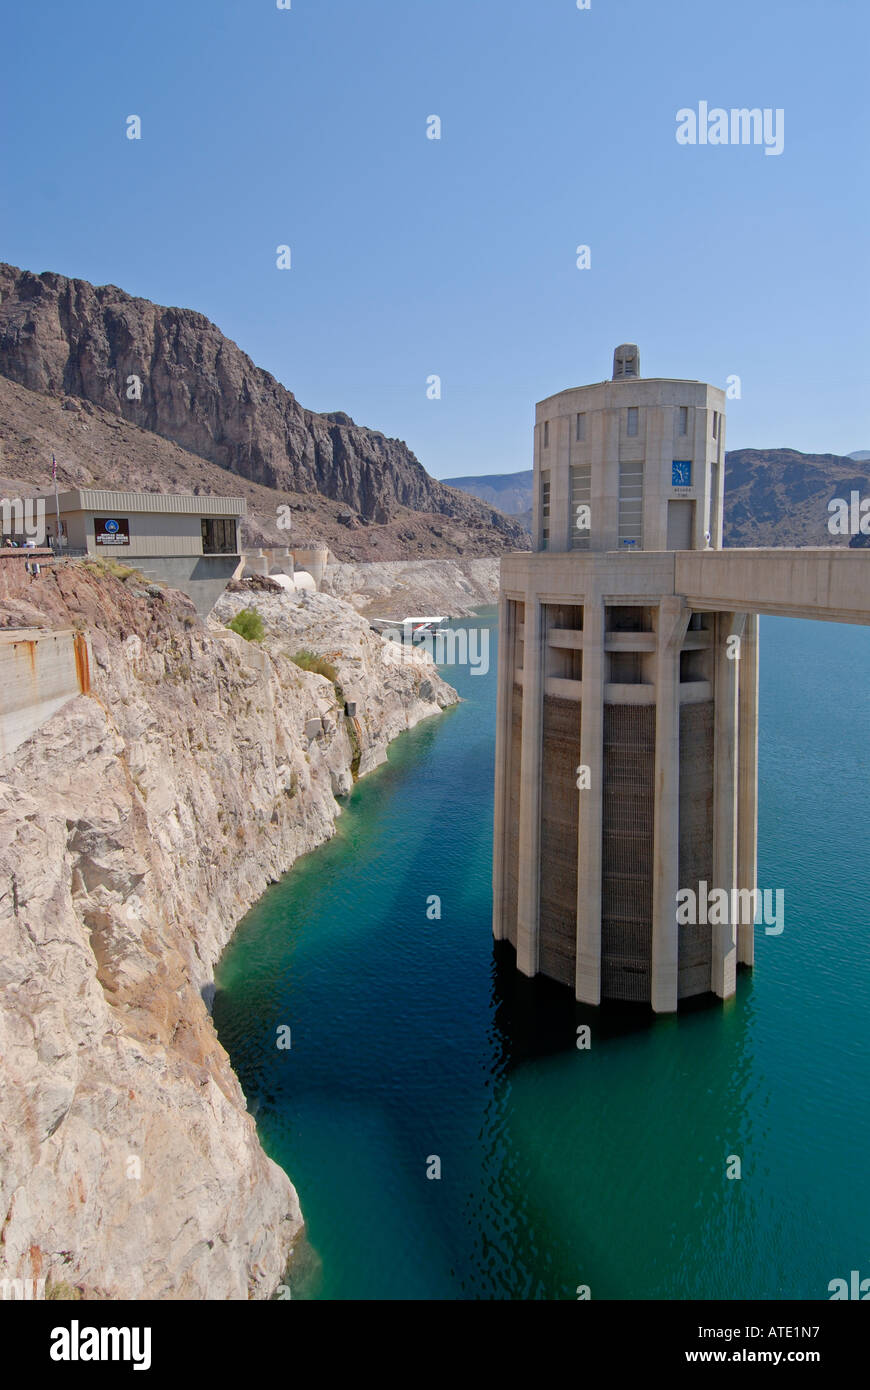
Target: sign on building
x: 111, y: 530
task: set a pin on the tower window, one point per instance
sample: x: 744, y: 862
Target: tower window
x: 715, y: 424
x: 631, y: 504
x: 631, y: 421
x: 581, y: 506
x: 581, y: 424
x: 545, y: 507
x: 546, y: 434
x: 683, y: 413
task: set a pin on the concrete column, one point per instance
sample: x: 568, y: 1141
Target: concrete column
x: 560, y: 476
x: 314, y: 561
x: 605, y: 515
x: 699, y: 423
x: 723, y: 979
x: 658, y: 449
x: 673, y: 619
x: 528, y: 869
x: 717, y: 496
x: 595, y: 454
x: 747, y: 780
x: 506, y: 666
x: 588, y: 967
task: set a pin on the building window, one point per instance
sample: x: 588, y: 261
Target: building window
x: 581, y: 503
x: 631, y: 505
x: 545, y: 507
x: 546, y: 434
x: 218, y: 536
x: 631, y: 421
x: 581, y: 425
x: 683, y: 426
x: 715, y: 424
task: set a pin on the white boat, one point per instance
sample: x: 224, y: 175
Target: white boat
x: 413, y: 629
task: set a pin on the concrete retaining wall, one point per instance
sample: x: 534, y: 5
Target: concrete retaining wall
x: 202, y: 577
x: 39, y: 672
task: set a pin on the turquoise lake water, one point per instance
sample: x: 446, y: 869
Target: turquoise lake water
x: 414, y: 1038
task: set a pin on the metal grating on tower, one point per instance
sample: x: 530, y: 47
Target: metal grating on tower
x: 560, y: 802
x: 581, y: 495
x: 631, y: 503
x: 627, y: 851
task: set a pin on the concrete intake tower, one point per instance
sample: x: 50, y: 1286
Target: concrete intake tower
x: 627, y: 727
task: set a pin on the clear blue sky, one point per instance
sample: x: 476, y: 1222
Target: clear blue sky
x: 412, y: 257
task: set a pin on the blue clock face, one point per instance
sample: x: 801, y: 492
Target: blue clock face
x: 681, y: 473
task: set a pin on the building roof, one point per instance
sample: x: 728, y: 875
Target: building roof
x: 632, y: 383
x: 187, y: 503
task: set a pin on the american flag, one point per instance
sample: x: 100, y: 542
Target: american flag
x: 53, y: 469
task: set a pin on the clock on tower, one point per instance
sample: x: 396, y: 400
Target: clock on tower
x: 681, y: 473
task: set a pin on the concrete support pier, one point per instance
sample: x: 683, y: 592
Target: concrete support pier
x: 588, y: 973
x: 506, y: 663
x: 673, y: 620
x: 747, y: 780
x: 729, y: 633
x: 530, y: 806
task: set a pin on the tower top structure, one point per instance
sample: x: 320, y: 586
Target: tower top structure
x: 630, y: 463
x: 626, y: 361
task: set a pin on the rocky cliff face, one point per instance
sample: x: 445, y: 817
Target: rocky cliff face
x: 69, y: 338
x: 136, y: 827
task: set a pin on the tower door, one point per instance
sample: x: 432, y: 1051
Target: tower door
x: 681, y: 525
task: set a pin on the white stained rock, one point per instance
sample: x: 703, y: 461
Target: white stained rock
x: 397, y: 588
x: 136, y: 828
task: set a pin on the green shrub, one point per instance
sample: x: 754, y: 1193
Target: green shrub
x: 248, y: 624
x: 310, y: 661
x: 106, y: 564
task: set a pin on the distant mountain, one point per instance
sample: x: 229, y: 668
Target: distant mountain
x: 153, y: 394
x: 510, y: 492
x: 780, y: 496
x: 772, y: 496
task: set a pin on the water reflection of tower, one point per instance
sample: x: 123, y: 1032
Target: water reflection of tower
x: 626, y: 736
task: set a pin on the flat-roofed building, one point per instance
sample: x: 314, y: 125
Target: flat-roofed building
x: 189, y: 541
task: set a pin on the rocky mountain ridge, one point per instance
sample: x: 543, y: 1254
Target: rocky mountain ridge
x: 171, y: 373
x: 780, y: 496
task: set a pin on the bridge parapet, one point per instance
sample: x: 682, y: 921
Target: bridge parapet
x: 830, y: 584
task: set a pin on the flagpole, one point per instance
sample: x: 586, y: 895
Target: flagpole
x: 56, y: 498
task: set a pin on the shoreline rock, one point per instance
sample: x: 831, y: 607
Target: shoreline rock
x: 137, y: 826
